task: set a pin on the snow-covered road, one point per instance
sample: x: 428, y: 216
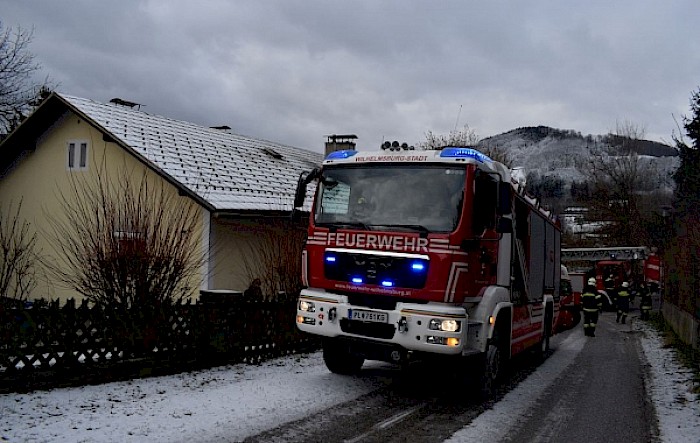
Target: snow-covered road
x: 233, y: 402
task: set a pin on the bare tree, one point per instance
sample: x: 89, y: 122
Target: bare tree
x: 622, y: 184
x: 495, y: 152
x: 127, y: 241
x: 276, y: 259
x: 464, y: 137
x: 18, y: 257
x: 18, y: 93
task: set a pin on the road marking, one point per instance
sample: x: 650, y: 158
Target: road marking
x: 397, y: 418
x: 391, y: 421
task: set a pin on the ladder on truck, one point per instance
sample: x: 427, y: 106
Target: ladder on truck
x: 598, y: 254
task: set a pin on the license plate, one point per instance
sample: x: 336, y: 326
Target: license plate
x: 370, y: 316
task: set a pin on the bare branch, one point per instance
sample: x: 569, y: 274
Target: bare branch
x: 275, y: 259
x: 18, y: 257
x: 18, y: 92
x: 622, y: 183
x: 464, y: 137
x: 127, y: 241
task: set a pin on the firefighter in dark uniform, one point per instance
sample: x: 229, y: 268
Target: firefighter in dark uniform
x: 590, y: 301
x: 645, y: 301
x: 623, y: 302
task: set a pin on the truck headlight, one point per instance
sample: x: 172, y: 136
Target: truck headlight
x: 307, y: 306
x: 437, y: 324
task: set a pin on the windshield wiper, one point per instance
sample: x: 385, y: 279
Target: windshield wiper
x: 420, y: 228
x: 347, y: 224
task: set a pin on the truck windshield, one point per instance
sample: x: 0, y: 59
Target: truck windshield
x: 408, y: 197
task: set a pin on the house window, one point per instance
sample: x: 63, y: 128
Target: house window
x: 129, y: 243
x: 77, y: 155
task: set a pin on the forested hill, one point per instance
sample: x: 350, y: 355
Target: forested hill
x: 545, y: 151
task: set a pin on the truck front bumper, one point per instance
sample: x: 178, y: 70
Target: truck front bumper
x: 431, y: 328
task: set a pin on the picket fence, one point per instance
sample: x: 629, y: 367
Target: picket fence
x: 47, y: 345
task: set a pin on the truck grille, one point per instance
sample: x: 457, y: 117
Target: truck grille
x: 380, y: 270
x: 373, y: 330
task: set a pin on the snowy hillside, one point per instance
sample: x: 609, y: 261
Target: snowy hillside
x: 553, y: 152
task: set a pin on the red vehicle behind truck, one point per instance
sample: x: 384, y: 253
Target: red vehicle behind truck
x: 632, y: 264
x: 571, y: 289
x: 416, y: 255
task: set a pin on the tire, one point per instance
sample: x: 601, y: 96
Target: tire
x: 491, y: 371
x: 339, y: 359
x: 547, y: 334
x: 492, y: 367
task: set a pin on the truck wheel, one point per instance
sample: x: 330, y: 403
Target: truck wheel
x: 547, y: 333
x: 339, y: 359
x: 490, y: 372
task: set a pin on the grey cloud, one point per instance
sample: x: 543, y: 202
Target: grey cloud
x: 294, y: 71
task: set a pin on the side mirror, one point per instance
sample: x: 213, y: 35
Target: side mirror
x: 304, y: 179
x: 504, y: 205
x: 300, y: 194
x: 296, y: 216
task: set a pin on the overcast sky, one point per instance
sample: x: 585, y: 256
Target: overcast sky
x: 294, y: 71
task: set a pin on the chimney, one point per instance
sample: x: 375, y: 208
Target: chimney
x: 340, y: 142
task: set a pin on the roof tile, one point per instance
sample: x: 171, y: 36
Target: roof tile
x: 229, y: 171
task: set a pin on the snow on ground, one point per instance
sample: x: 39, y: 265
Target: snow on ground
x: 496, y: 423
x: 232, y: 402
x: 677, y: 408
x: 222, y: 404
x: 671, y: 384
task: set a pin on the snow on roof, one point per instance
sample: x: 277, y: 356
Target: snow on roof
x: 229, y: 171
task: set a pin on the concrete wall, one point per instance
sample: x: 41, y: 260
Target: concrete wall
x: 684, y: 324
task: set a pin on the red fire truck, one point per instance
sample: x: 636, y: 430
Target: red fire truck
x: 413, y: 255
x: 571, y: 286
x: 624, y: 263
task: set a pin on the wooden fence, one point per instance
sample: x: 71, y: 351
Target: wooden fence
x: 48, y: 345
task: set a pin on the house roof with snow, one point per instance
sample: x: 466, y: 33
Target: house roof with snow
x: 224, y: 171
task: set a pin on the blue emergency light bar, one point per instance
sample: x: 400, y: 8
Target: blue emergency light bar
x: 464, y: 153
x: 418, y: 266
x: 339, y: 155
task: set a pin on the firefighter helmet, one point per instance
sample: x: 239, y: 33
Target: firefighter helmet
x: 591, y: 281
x: 625, y: 284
